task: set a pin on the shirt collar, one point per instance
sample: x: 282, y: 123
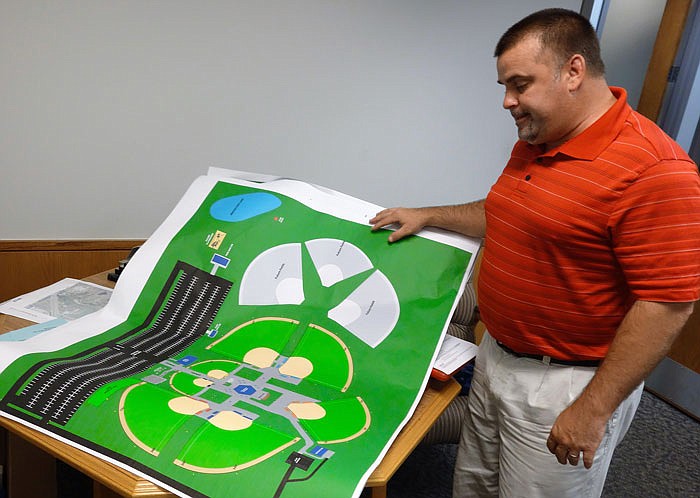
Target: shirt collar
x: 593, y: 140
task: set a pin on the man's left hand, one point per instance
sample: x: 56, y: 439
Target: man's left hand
x: 575, y: 431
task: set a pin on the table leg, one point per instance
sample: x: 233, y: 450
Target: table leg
x: 99, y: 490
x: 378, y: 492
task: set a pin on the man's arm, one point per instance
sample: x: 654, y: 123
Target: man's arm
x: 468, y: 219
x: 643, y: 339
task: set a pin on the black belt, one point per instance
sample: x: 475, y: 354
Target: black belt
x: 548, y: 359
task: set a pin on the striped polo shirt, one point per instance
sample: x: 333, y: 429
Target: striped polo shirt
x: 575, y: 235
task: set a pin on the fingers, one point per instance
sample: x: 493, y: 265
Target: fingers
x: 402, y: 217
x: 566, y: 455
x: 374, y: 221
x: 382, y: 219
x: 561, y: 452
x: 572, y: 457
x: 400, y: 234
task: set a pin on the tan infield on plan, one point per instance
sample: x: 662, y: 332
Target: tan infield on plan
x: 307, y: 410
x: 200, y: 382
x: 213, y: 374
x: 186, y: 405
x: 226, y: 420
x: 297, y: 366
x: 230, y: 421
x: 217, y: 373
x: 261, y: 357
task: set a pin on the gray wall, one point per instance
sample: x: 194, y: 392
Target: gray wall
x: 109, y: 109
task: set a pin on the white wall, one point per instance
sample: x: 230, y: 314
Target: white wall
x: 627, y: 41
x: 109, y: 109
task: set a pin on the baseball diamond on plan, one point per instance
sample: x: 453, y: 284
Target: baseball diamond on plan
x: 336, y: 260
x: 275, y: 276
x: 371, y: 311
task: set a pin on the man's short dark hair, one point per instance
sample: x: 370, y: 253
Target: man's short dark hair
x: 562, y: 31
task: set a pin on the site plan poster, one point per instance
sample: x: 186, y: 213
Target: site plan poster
x: 262, y: 343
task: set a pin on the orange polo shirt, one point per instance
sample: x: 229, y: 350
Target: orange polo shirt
x: 577, y: 234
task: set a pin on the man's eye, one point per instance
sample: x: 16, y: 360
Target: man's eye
x: 521, y: 88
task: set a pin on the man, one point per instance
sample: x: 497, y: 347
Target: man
x: 591, y: 266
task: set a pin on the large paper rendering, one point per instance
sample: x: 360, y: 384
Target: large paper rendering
x: 262, y: 343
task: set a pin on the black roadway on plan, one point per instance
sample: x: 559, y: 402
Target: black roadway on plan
x: 54, y: 389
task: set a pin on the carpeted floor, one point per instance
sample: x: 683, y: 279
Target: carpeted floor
x: 659, y: 457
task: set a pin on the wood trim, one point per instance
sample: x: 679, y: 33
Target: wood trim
x: 667, y: 40
x: 686, y: 348
x: 26, y: 265
x: 69, y: 245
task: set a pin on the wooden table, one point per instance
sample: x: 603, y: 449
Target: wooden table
x: 111, y: 481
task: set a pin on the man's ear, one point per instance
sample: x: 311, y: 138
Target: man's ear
x: 575, y: 70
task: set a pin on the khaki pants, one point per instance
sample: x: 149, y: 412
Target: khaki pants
x: 513, y: 403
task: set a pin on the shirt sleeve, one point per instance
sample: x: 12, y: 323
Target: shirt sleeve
x: 655, y: 230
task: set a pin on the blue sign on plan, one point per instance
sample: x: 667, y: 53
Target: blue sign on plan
x: 220, y: 260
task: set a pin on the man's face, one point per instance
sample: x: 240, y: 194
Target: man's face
x: 536, y: 92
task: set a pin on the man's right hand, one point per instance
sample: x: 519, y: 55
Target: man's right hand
x: 409, y: 220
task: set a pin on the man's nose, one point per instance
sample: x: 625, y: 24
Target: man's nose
x: 509, y: 100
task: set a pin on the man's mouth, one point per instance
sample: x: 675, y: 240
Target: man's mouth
x: 520, y: 118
